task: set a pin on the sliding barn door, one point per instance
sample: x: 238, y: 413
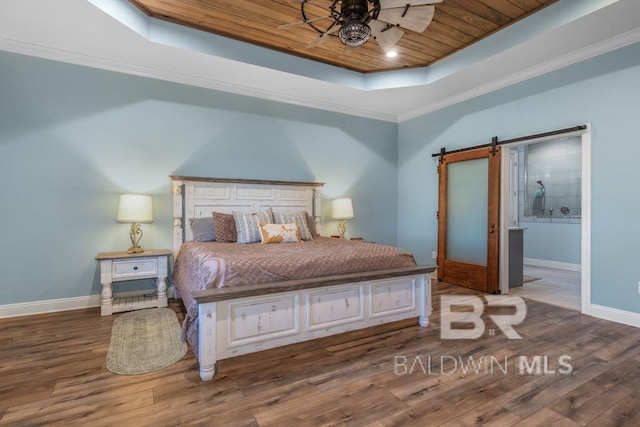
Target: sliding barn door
x: 469, y: 219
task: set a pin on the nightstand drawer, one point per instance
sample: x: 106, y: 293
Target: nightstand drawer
x: 126, y: 269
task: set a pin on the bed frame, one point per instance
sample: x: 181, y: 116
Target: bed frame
x: 240, y: 320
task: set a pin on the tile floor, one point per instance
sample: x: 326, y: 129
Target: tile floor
x: 555, y: 287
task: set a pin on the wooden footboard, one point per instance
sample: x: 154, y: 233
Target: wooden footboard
x: 246, y: 319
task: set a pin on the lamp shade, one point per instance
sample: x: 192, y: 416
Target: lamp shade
x: 342, y: 208
x: 135, y: 208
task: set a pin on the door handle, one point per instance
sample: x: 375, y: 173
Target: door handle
x: 492, y: 228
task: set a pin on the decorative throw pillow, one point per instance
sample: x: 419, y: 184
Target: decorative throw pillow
x: 202, y: 229
x: 311, y: 223
x: 279, y: 233
x: 299, y: 218
x: 225, y: 227
x: 248, y: 225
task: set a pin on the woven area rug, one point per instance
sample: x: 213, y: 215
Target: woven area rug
x: 145, y: 341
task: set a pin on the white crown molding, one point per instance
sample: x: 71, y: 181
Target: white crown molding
x: 55, y: 54
x: 49, y: 306
x: 579, y: 55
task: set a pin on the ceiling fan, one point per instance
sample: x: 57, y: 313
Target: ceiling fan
x: 358, y: 20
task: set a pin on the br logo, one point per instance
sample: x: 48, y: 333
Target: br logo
x: 503, y: 321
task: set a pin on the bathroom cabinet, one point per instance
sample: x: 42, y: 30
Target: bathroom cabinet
x: 516, y: 256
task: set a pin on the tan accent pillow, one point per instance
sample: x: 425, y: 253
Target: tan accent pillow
x: 279, y: 233
x: 225, y: 227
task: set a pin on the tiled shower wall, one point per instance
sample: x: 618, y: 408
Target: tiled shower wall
x: 558, y: 164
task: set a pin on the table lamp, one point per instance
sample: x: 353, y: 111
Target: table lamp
x: 342, y: 209
x: 135, y: 208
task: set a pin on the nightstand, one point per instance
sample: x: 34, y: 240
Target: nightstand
x: 121, y: 266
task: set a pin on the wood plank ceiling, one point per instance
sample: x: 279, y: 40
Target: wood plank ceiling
x: 456, y: 25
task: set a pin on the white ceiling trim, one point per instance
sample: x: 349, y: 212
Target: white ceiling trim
x: 583, y: 54
x: 46, y: 52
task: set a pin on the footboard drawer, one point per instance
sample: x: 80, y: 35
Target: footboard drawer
x: 251, y: 320
x: 332, y: 307
x: 393, y: 297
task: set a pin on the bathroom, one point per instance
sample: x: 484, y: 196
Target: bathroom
x: 547, y: 206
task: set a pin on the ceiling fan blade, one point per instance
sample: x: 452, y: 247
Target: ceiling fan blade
x: 388, y: 4
x: 386, y: 36
x: 295, y: 24
x: 416, y: 18
x: 332, y: 29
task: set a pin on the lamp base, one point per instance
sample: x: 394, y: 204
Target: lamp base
x: 342, y: 227
x: 135, y: 235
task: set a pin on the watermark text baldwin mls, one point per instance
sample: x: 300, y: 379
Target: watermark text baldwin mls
x: 476, y: 365
x: 480, y: 364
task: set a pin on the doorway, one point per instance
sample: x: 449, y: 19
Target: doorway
x: 505, y: 206
x: 554, y: 211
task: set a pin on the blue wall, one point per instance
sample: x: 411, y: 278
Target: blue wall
x: 73, y: 138
x: 604, y: 91
x: 552, y: 241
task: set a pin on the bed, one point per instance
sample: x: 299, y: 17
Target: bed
x: 244, y: 298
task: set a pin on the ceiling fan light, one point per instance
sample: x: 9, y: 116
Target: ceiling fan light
x: 354, y: 33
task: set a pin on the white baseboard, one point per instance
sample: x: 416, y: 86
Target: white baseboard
x: 615, y: 315
x: 551, y: 264
x: 48, y: 306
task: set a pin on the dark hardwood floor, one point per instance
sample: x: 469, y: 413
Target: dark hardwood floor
x: 52, y: 371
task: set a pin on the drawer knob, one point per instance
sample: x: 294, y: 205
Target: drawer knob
x: 135, y: 268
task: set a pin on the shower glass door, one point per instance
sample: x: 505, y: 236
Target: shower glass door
x: 468, y: 219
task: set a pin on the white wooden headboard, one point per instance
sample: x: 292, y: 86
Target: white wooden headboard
x: 195, y: 197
